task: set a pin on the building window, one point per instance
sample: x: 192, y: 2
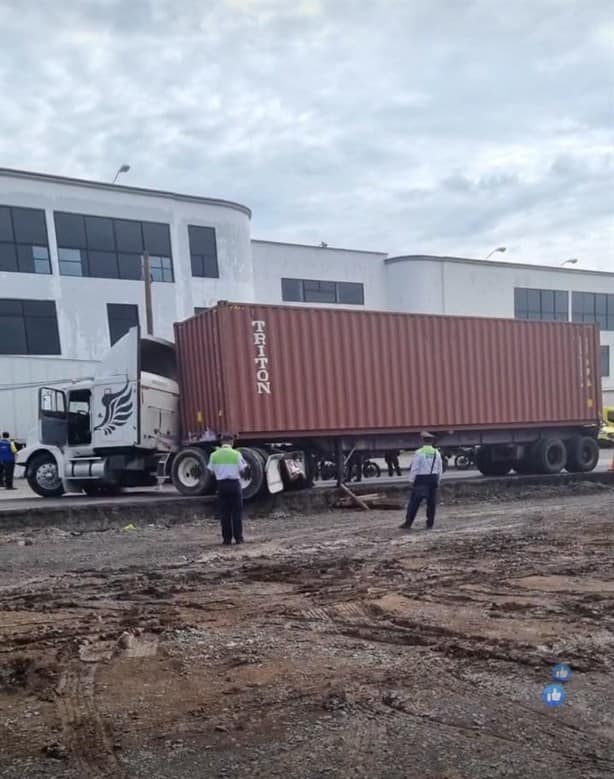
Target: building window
x: 24, y: 246
x: 550, y: 305
x: 203, y: 252
x: 593, y: 307
x: 605, y: 361
x: 107, y: 248
x: 313, y: 291
x: 122, y: 317
x: 28, y: 327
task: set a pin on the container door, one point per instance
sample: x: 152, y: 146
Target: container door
x: 53, y: 416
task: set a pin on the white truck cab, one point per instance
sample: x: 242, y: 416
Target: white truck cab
x: 110, y: 431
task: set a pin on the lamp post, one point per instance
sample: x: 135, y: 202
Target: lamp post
x: 498, y: 249
x: 122, y: 169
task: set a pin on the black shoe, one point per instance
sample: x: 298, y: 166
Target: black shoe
x: 429, y: 527
x: 11, y: 488
x: 239, y: 541
x: 226, y: 543
x: 404, y: 526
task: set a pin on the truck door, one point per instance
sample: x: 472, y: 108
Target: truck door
x: 53, y: 416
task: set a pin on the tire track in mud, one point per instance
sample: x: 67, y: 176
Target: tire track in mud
x: 86, y: 736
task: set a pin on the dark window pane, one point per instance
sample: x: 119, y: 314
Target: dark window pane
x: 202, y: 240
x: 102, y: 265
x: 601, y: 304
x: 610, y: 322
x: 157, y: 238
x: 99, y: 233
x: 605, y: 360
x: 41, y: 259
x: 547, y: 296
x: 350, y: 292
x: 198, y: 264
x: 161, y: 268
x: 210, y: 267
x: 6, y: 226
x: 128, y: 236
x: 319, y: 291
x: 70, y: 230
x: 533, y: 301
x: 520, y: 303
x: 130, y: 266
x: 12, y: 335
x: 29, y: 224
x: 577, y: 301
x: 122, y: 317
x: 292, y: 290
x: 42, y: 335
x: 11, y: 307
x: 8, y: 257
x: 25, y: 260
x: 38, y: 308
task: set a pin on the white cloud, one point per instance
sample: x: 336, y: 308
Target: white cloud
x: 403, y: 126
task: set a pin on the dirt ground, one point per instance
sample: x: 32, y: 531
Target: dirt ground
x: 327, y: 646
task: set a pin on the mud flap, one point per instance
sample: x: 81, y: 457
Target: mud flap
x: 273, y: 473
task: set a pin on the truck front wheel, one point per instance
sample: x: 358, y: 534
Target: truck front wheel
x: 43, y: 476
x: 189, y: 472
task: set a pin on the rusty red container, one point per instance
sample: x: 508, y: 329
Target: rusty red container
x: 280, y: 371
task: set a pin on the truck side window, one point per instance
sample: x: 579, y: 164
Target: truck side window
x: 79, y: 427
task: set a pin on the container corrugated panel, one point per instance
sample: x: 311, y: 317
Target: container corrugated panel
x: 258, y: 371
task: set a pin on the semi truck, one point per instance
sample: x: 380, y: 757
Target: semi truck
x: 295, y: 384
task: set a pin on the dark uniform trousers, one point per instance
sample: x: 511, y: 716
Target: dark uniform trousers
x: 425, y: 488
x: 230, y: 508
x: 7, y: 469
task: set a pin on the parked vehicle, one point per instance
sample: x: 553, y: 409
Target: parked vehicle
x: 295, y: 384
x: 606, y: 431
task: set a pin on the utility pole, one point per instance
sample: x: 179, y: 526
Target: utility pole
x: 147, y: 280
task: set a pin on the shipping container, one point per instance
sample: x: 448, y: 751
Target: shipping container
x: 281, y: 372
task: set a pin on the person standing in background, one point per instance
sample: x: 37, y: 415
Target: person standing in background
x: 228, y: 465
x: 424, y: 477
x: 392, y: 461
x: 8, y: 450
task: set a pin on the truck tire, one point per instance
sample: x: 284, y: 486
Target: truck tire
x: 550, y: 455
x: 489, y: 467
x: 189, y: 472
x: 43, y: 477
x: 582, y: 454
x: 254, y: 483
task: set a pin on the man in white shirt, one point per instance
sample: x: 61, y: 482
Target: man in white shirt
x: 424, y: 478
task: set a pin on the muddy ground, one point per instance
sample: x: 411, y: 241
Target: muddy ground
x: 328, y: 646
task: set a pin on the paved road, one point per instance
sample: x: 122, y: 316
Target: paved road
x: 23, y: 497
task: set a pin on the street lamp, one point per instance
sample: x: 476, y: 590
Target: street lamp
x: 122, y: 169
x: 572, y: 261
x: 498, y: 249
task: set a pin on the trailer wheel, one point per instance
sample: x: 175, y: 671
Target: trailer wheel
x: 43, y: 477
x: 189, y: 472
x: 582, y: 454
x: 254, y: 482
x: 550, y: 455
x: 489, y: 467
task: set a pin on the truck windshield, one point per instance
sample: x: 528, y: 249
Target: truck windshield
x: 159, y: 357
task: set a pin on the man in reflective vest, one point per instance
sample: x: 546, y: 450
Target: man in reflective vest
x: 227, y: 465
x: 424, y: 477
x: 7, y: 461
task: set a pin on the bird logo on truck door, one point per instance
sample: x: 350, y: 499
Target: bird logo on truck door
x: 118, y: 408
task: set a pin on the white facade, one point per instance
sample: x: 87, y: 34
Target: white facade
x: 249, y: 270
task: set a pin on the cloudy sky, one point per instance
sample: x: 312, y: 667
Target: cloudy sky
x: 408, y: 126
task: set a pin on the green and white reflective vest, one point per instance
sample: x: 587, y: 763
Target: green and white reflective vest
x: 226, y: 463
x: 427, y: 461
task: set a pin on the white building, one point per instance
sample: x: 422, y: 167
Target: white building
x: 70, y: 270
